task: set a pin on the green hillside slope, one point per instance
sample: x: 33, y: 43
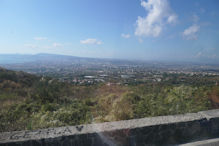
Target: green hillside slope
x: 31, y: 102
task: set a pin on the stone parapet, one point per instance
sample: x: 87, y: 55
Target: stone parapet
x: 172, y: 129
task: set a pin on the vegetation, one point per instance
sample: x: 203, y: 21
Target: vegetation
x: 31, y: 102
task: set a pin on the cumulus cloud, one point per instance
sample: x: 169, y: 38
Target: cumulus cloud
x: 30, y: 46
x: 56, y: 45
x: 195, y: 18
x: 172, y: 19
x: 125, y: 35
x: 159, y: 13
x: 40, y: 38
x: 91, y: 41
x: 191, y: 32
x: 199, y: 54
x: 206, y: 54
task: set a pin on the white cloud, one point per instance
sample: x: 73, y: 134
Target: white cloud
x: 199, y: 54
x: 172, y: 18
x: 195, y: 18
x: 140, y: 40
x: 143, y: 4
x: 30, y: 46
x: 125, y: 35
x: 40, y: 38
x: 56, y: 45
x: 208, y: 53
x: 191, y: 32
x: 159, y: 14
x: 91, y: 41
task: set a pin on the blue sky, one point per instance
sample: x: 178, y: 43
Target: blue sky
x: 177, y: 30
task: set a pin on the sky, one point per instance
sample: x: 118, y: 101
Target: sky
x: 174, y: 30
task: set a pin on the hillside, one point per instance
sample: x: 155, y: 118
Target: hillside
x: 32, y: 102
x: 14, y: 86
x: 25, y: 99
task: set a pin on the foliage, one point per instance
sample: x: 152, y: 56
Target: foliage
x: 31, y: 102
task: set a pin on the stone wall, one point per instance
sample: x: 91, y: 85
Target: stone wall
x: 174, y: 129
